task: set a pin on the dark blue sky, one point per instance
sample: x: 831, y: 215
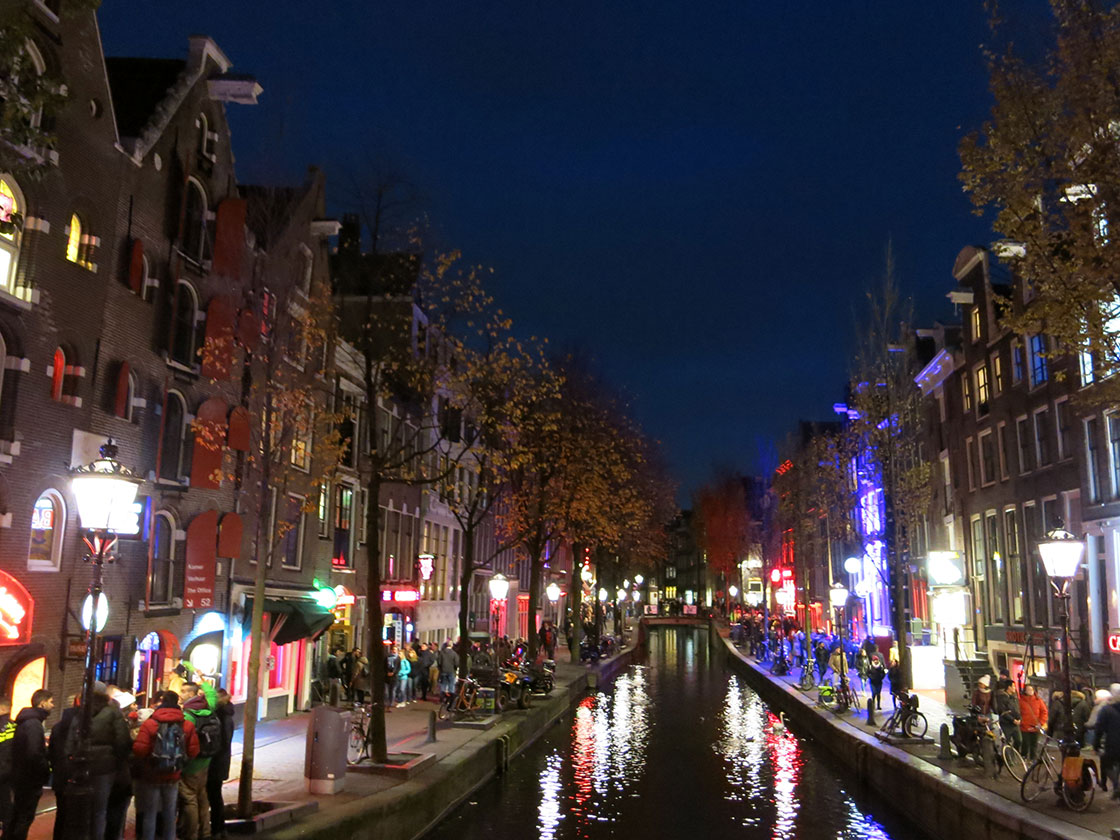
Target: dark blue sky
x: 696, y: 192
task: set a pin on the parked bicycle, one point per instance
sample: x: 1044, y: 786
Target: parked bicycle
x: 1043, y: 774
x: 905, y: 719
x: 1071, y: 775
x: 357, y: 748
x: 462, y: 702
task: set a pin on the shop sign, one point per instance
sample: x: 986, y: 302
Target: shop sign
x: 426, y: 562
x: 201, y: 561
x: 1114, y: 641
x: 16, y: 608
x: 75, y: 648
x: 945, y: 568
x: 401, y: 596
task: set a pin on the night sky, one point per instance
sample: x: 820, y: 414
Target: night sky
x: 696, y: 193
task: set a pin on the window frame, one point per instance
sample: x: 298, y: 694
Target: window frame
x: 983, y: 390
x: 1092, y: 460
x: 1025, y: 443
x: 983, y: 437
x: 171, y: 560
x: 54, y: 563
x: 191, y: 363
x: 195, y: 251
x: 1039, y: 362
x: 300, y: 529
x: 181, y: 436
x: 12, y: 246
x: 1042, y: 445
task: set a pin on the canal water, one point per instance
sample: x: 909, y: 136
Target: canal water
x: 677, y: 747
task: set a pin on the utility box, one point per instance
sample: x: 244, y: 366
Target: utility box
x: 324, y: 764
x: 486, y: 695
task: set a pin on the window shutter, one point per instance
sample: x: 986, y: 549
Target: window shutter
x: 229, y: 238
x: 229, y: 536
x: 136, y: 267
x: 201, y: 561
x: 239, y: 433
x: 217, y: 349
x: 120, y: 405
x: 210, y: 435
x: 247, y: 330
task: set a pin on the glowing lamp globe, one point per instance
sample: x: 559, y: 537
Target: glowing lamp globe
x: 585, y: 574
x: 639, y: 580
x: 553, y: 592
x: 499, y: 587
x: 621, y: 594
x: 602, y: 594
x: 838, y: 596
x: 1061, y: 554
x: 853, y: 565
x: 104, y: 490
x: 733, y: 590
x: 637, y: 595
x: 102, y: 611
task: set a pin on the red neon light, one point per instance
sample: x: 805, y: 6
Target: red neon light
x: 16, y: 607
x: 1114, y: 642
x: 787, y: 573
x: 401, y: 596
x: 776, y: 576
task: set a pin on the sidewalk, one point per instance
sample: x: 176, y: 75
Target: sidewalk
x: 281, y: 745
x: 1101, y: 817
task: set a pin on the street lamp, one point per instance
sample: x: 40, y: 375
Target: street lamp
x: 838, y: 600
x: 105, y: 491
x: 639, y: 580
x: 553, y: 593
x: 499, y: 589
x: 1061, y: 555
x: 733, y: 591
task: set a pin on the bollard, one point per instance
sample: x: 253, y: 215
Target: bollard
x: 870, y: 711
x: 945, y: 751
x: 431, y: 727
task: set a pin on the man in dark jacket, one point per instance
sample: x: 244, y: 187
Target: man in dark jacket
x: 218, y: 771
x: 448, y: 662
x: 7, y: 733
x: 425, y: 661
x: 58, y: 754
x: 1107, y: 731
x: 1007, y: 707
x: 29, y: 754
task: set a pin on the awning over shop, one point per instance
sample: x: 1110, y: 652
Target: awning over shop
x: 292, y: 620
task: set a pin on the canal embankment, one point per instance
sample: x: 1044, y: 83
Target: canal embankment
x: 944, y: 804
x: 409, y: 808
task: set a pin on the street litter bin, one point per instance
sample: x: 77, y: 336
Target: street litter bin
x: 486, y: 695
x: 324, y: 764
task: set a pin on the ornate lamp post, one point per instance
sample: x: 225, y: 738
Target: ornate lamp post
x: 104, y: 490
x: 1061, y: 555
x: 838, y: 600
x: 499, y: 589
x: 553, y: 593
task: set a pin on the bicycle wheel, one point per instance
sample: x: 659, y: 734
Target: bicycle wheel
x: 356, y: 746
x: 915, y: 725
x: 988, y: 756
x: 1035, y: 781
x: 1014, y: 762
x: 444, y: 711
x: 1079, y: 797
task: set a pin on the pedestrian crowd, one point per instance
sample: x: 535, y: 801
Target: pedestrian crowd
x: 171, y: 759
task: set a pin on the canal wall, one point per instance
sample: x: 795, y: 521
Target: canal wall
x: 408, y: 810
x: 942, y: 804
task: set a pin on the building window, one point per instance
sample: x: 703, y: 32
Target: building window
x: 987, y: 458
x: 966, y: 392
x: 1011, y: 541
x: 185, y: 325
x: 74, y: 239
x: 1085, y: 366
x: 1004, y: 455
x: 1042, y: 436
x: 1040, y: 370
x: 1114, y: 452
x: 979, y: 567
x: 1017, y: 364
x: 173, y: 437
x: 48, y: 523
x: 206, y: 139
x: 11, y: 221
x: 998, y: 590
x: 324, y: 505
x: 58, y: 373
x: 975, y: 321
x: 983, y: 391
x: 947, y: 484
x: 1065, y: 439
x: 291, y: 548
x: 343, y: 513
x: 196, y: 244
x: 970, y: 454
x: 1092, y: 454
x: 1026, y: 445
x: 998, y: 382
x: 301, y: 440
x: 163, y: 580
x: 362, y: 526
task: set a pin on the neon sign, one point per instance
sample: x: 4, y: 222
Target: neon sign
x: 426, y: 564
x: 16, y: 609
x: 402, y: 596
x: 1114, y: 642
x: 42, y: 515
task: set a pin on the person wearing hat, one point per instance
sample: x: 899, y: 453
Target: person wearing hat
x: 982, y: 696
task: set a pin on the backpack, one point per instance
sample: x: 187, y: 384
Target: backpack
x: 209, y: 730
x: 169, y: 750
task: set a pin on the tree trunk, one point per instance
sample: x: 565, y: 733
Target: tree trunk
x: 575, y: 602
x: 465, y: 578
x: 536, y: 573
x: 375, y: 652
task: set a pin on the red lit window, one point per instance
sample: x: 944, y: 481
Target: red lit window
x: 58, y: 372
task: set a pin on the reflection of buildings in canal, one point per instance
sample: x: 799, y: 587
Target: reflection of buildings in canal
x: 609, y: 737
x: 861, y: 826
x: 786, y: 759
x: 741, y: 742
x: 548, y: 812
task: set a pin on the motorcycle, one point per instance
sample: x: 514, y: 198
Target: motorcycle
x: 514, y: 686
x: 974, y: 735
x: 542, y: 677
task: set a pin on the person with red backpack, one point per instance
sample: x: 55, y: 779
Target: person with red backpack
x: 164, y: 744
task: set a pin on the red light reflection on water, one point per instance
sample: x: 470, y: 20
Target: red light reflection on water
x: 583, y: 753
x: 785, y: 760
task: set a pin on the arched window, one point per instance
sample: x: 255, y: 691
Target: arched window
x: 174, y: 433
x: 184, y: 328
x: 48, y: 522
x: 195, y: 245
x: 11, y: 218
x: 74, y: 239
x: 162, y: 580
x: 130, y: 395
x: 58, y: 373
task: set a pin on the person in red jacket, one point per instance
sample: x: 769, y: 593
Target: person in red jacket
x: 165, y: 742
x: 1033, y: 720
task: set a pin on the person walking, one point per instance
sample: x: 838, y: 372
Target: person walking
x: 404, y: 669
x: 899, y: 689
x: 110, y: 746
x: 1010, y: 715
x: 547, y: 636
x: 61, y: 745
x: 413, y: 669
x: 820, y: 653
x: 334, y: 676
x: 346, y: 665
x: 1107, y: 731
x: 876, y: 673
x: 218, y: 771
x: 359, y: 678
x: 7, y: 734
x: 448, y: 662
x: 29, y: 755
x: 424, y: 663
x: 1032, y: 721
x: 120, y: 795
x: 194, y: 807
x: 392, y: 667
x: 165, y: 743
